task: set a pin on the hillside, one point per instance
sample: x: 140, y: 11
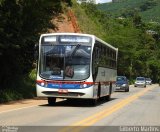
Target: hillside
x: 128, y: 35
x: 148, y: 9
x: 63, y: 24
x: 76, y: 19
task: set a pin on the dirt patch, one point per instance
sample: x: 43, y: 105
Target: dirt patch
x: 63, y: 24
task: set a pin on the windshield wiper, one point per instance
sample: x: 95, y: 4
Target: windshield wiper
x: 75, y: 49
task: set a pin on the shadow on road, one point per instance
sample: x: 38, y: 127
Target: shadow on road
x: 77, y: 103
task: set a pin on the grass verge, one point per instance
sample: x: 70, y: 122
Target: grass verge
x: 23, y: 88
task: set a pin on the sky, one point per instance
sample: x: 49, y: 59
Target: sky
x: 103, y: 1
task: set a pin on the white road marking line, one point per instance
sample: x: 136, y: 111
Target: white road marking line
x: 17, y: 109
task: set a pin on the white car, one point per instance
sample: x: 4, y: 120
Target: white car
x: 140, y: 81
x: 148, y: 81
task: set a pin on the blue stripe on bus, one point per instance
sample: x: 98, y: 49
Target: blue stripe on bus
x: 64, y: 86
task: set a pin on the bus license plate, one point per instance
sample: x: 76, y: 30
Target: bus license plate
x: 62, y: 90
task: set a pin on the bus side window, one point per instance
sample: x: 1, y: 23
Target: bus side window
x: 95, y: 62
x: 97, y: 55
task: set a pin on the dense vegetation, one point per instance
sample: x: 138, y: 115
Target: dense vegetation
x: 148, y: 9
x: 22, y: 21
x: 138, y: 47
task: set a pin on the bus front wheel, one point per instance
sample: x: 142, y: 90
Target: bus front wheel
x: 51, y: 101
x: 93, y: 102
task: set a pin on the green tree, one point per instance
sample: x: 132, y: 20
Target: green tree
x: 21, y: 23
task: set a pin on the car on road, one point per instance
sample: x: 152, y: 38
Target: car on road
x: 148, y: 81
x: 140, y: 81
x: 122, y: 83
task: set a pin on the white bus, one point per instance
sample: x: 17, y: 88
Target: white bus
x: 74, y: 65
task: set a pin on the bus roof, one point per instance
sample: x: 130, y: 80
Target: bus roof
x: 93, y: 36
x: 66, y: 33
x: 98, y: 39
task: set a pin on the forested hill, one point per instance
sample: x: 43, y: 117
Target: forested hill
x: 148, y: 9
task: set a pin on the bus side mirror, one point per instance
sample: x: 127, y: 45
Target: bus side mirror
x: 36, y: 50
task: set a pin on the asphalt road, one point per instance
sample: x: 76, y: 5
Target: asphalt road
x: 137, y: 110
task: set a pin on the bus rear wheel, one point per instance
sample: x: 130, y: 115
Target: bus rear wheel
x: 51, y: 101
x: 107, y: 97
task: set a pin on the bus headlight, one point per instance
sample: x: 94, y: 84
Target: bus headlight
x: 42, y: 83
x: 85, y: 85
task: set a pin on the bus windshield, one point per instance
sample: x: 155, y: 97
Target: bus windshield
x: 65, y: 61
